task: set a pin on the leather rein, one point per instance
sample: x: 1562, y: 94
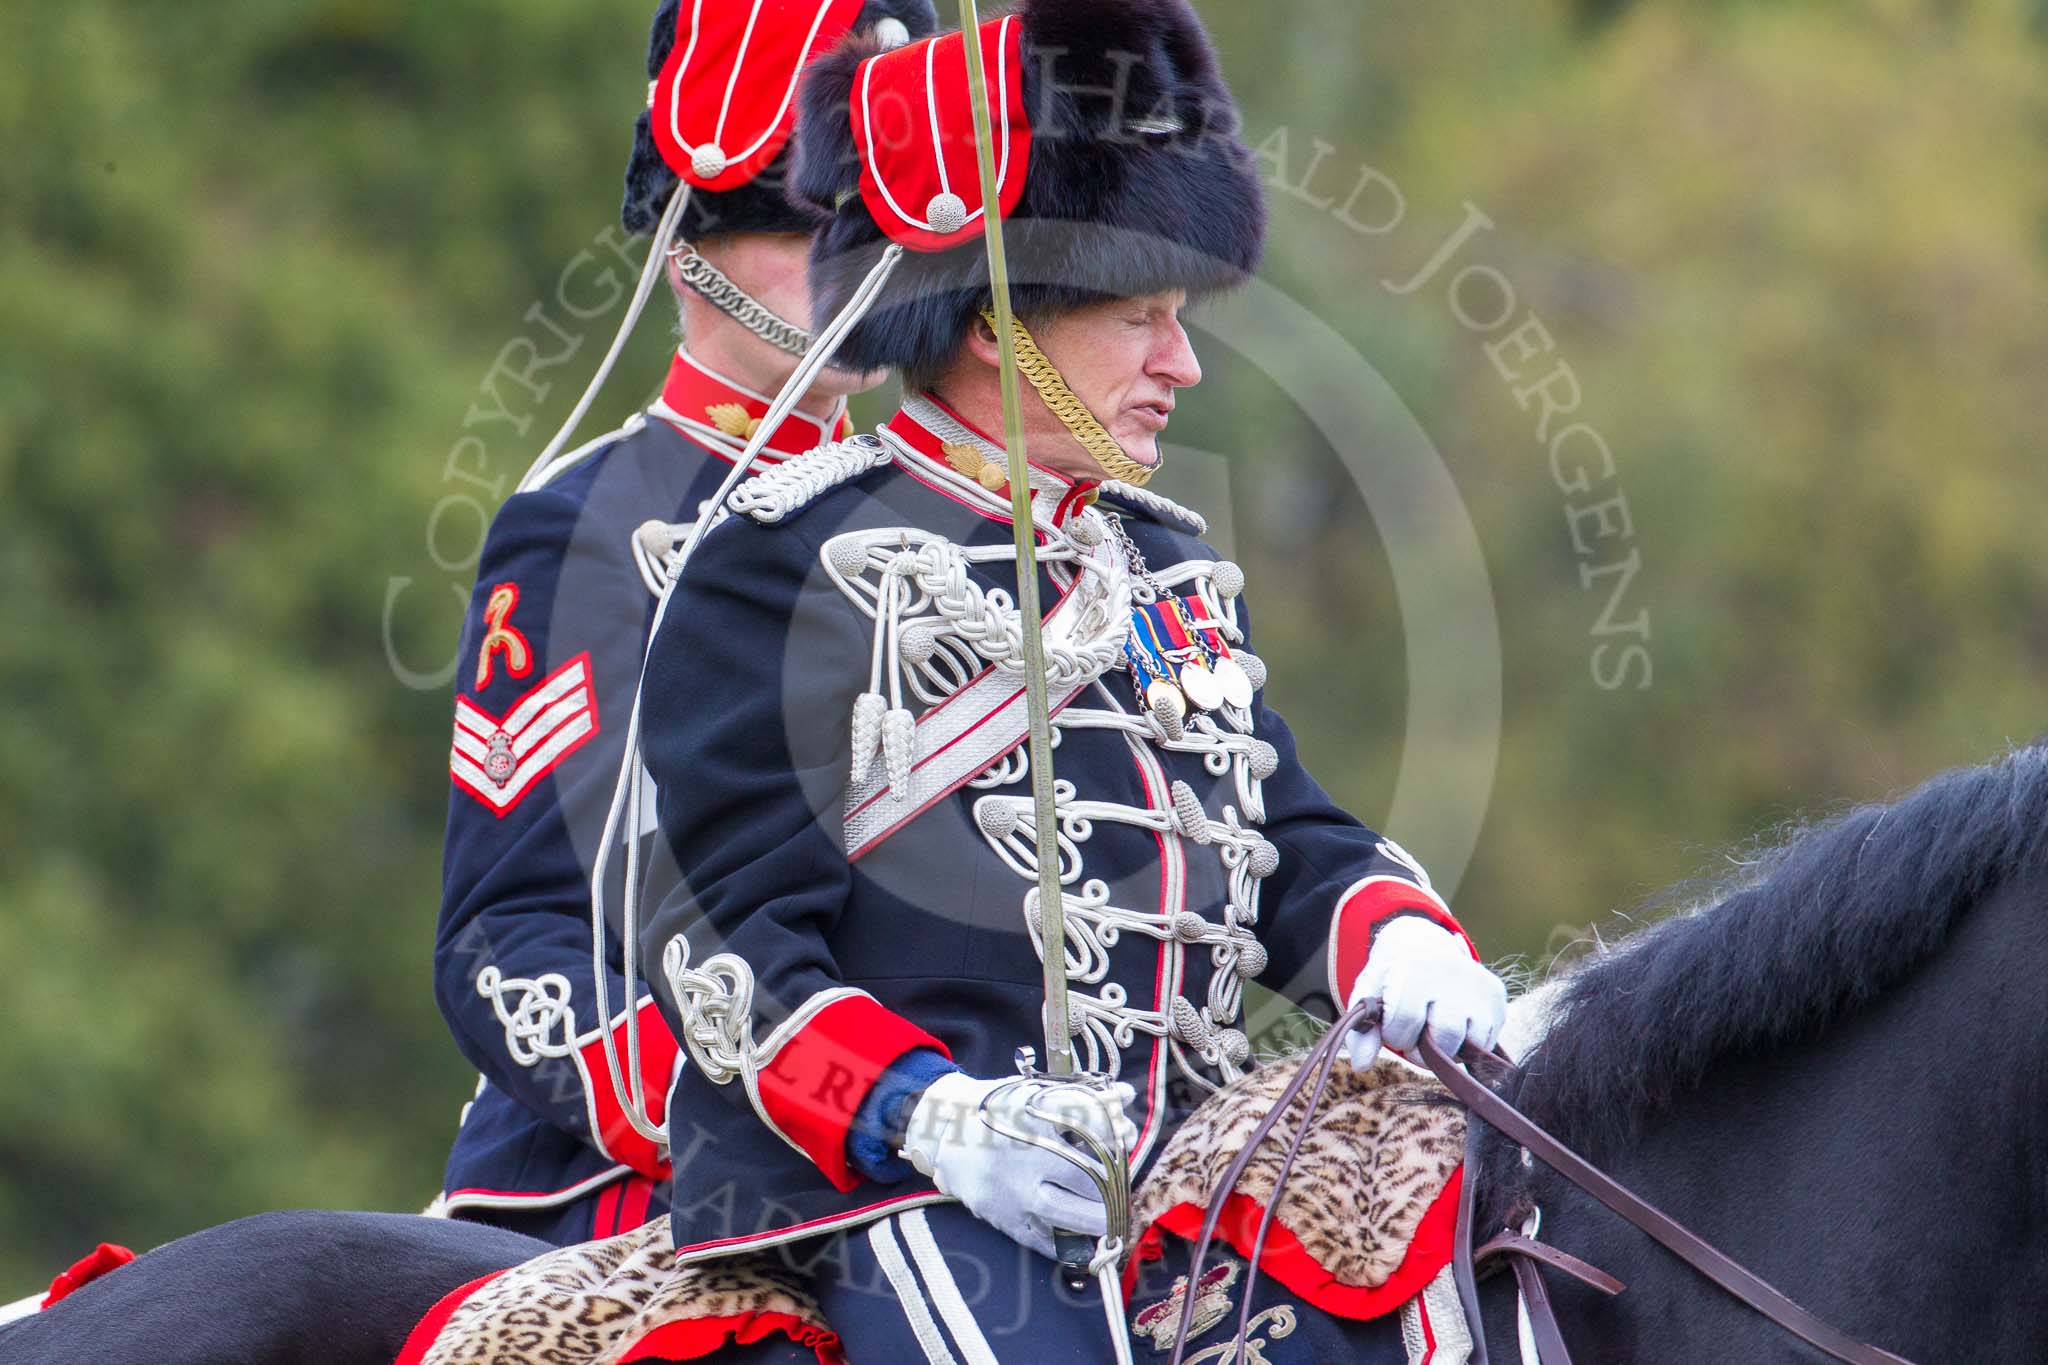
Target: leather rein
x: 1522, y: 1252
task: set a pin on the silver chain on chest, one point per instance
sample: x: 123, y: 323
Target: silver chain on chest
x: 1148, y: 588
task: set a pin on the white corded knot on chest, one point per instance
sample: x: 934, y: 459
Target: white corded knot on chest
x: 773, y: 494
x: 1189, y: 818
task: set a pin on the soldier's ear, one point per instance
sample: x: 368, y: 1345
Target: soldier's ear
x: 981, y: 343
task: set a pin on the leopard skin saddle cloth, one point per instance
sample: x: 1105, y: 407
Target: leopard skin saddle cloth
x: 1367, y: 1216
x: 622, y: 1299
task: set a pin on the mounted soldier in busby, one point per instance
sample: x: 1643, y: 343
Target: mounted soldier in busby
x: 835, y: 715
x: 559, y: 621
x: 982, y: 829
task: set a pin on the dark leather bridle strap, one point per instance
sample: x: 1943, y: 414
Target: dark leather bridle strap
x: 1550, y: 1348
x: 1527, y: 1248
x: 1660, y: 1227
x: 1463, y: 1273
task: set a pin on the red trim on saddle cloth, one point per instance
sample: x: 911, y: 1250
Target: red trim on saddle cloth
x: 708, y: 1336
x: 913, y: 130
x: 1361, y: 911
x: 615, y: 1133
x: 1287, y: 1261
x: 423, y: 1336
x: 1075, y: 495
x: 104, y: 1258
x: 703, y: 395
x: 730, y: 84
x: 817, y: 1080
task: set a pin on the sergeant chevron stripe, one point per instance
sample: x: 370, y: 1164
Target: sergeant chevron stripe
x: 499, y: 761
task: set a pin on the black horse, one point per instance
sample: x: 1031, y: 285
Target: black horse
x: 1833, y: 1065
x: 1836, y: 1070
x: 304, y: 1288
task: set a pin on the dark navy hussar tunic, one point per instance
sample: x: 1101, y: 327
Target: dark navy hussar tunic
x: 552, y: 648
x: 834, y: 720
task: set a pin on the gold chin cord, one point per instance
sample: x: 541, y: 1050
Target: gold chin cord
x: 1066, y: 405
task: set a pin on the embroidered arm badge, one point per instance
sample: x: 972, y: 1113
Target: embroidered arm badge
x: 499, y: 761
x: 501, y: 635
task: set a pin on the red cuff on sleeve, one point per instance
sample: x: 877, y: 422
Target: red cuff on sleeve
x: 1362, y: 909
x: 615, y: 1135
x: 815, y: 1085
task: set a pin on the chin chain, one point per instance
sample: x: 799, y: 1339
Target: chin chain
x: 716, y: 288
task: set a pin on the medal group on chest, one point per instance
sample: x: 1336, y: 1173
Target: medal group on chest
x: 1178, y: 656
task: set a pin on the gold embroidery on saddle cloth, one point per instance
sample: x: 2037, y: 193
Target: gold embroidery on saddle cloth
x: 1277, y: 1322
x: 1160, y: 1323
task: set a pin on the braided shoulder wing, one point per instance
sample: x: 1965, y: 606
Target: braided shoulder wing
x: 775, y: 494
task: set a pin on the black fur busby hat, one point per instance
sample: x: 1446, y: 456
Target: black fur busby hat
x: 1138, y: 180
x: 760, y: 203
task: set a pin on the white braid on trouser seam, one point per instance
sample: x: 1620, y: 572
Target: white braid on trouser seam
x: 882, y: 1237
x: 940, y: 1290
x: 945, y: 1293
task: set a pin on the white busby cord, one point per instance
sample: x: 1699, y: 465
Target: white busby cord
x: 627, y: 794
x: 545, y: 467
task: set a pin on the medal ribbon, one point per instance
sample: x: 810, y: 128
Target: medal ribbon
x: 1180, y: 628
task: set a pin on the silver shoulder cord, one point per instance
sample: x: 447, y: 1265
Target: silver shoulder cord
x: 627, y: 794
x: 542, y: 468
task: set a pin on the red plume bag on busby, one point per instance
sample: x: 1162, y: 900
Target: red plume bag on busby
x: 722, y: 102
x: 1122, y: 172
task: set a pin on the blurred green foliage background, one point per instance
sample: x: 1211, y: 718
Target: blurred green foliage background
x: 256, y: 262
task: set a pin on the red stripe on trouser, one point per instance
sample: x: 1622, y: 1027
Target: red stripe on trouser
x: 605, y: 1223
x: 634, y: 1200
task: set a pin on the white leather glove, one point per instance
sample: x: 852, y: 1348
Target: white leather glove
x: 1424, y: 977
x: 1022, y: 1190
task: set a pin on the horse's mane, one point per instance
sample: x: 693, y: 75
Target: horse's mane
x: 1773, y: 953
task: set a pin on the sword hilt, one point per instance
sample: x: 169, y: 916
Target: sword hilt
x: 1075, y: 1252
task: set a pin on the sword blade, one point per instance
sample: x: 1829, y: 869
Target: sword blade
x: 1059, y: 1044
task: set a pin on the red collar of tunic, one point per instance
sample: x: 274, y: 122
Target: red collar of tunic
x: 721, y: 415
x: 933, y: 429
